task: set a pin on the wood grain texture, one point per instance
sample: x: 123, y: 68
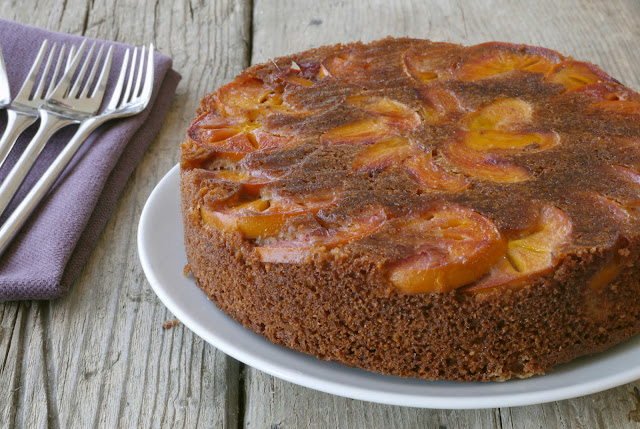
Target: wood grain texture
x: 99, y: 357
x: 601, y: 32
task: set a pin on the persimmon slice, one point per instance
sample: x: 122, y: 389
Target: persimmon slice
x: 348, y: 67
x: 630, y: 207
x: 295, y: 79
x: 625, y: 107
x: 265, y: 140
x: 234, y: 137
x: 389, y: 117
x: 503, y: 114
x: 532, y: 253
x: 426, y: 171
x: 362, y: 132
x: 576, y: 74
x: 252, y: 218
x: 261, y: 217
x: 396, y: 113
x: 495, y: 58
x: 251, y: 184
x: 438, y: 103
x: 249, y: 94
x: 484, y: 165
x: 227, y: 135
x: 426, y: 66
x: 498, y: 128
x: 608, y: 91
x: 383, y: 154
x: 612, y: 97
x: 509, y: 142
x: 309, y: 241
x: 399, y: 151
x: 452, y: 247
x: 628, y: 174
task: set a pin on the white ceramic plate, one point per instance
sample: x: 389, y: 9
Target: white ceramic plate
x: 160, y: 239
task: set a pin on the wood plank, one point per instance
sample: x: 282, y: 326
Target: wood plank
x: 57, y: 15
x: 12, y: 334
x: 274, y: 403
x: 601, y: 32
x: 25, y: 366
x: 99, y: 357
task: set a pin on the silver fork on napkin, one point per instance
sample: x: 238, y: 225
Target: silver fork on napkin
x: 23, y: 110
x: 66, y: 105
x: 5, y: 91
x: 125, y: 101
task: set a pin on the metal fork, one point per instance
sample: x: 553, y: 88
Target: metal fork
x: 124, y: 102
x: 66, y: 105
x: 5, y: 92
x: 23, y: 111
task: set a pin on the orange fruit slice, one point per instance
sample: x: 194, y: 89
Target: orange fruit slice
x: 575, y: 74
x: 310, y: 241
x: 495, y: 58
x: 532, y: 253
x: 453, y: 246
x: 484, y: 165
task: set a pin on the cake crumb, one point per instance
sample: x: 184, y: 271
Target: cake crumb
x: 187, y: 270
x: 170, y: 323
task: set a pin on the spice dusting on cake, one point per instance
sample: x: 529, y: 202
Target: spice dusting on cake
x: 420, y: 209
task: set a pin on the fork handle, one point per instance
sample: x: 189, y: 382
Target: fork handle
x: 20, y: 215
x: 49, y: 124
x: 17, y: 122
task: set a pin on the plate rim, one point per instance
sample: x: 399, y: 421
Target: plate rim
x: 341, y: 389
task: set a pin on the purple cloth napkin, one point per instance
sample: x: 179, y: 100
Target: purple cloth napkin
x: 49, y: 252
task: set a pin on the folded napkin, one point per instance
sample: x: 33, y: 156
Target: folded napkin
x: 49, y: 252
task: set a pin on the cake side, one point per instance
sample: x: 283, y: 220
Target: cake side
x: 420, y: 209
x: 349, y: 314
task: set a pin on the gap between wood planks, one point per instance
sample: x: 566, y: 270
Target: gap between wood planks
x: 50, y: 378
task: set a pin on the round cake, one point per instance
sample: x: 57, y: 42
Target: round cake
x: 420, y: 209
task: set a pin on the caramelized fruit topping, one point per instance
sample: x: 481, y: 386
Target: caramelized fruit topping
x: 451, y: 119
x: 452, y: 246
x: 504, y: 114
x: 484, y: 165
x: 575, y: 74
x: 420, y: 165
x: 319, y: 236
x: 508, y: 142
x: 424, y: 67
x: 438, y: 103
x: 262, y: 217
x: 494, y: 58
x: 532, y: 252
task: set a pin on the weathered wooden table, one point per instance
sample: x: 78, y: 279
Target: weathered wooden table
x: 99, y: 357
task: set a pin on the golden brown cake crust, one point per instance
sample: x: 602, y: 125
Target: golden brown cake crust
x: 522, y: 307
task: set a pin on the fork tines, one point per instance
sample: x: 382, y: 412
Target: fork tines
x: 42, y: 75
x: 23, y: 110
